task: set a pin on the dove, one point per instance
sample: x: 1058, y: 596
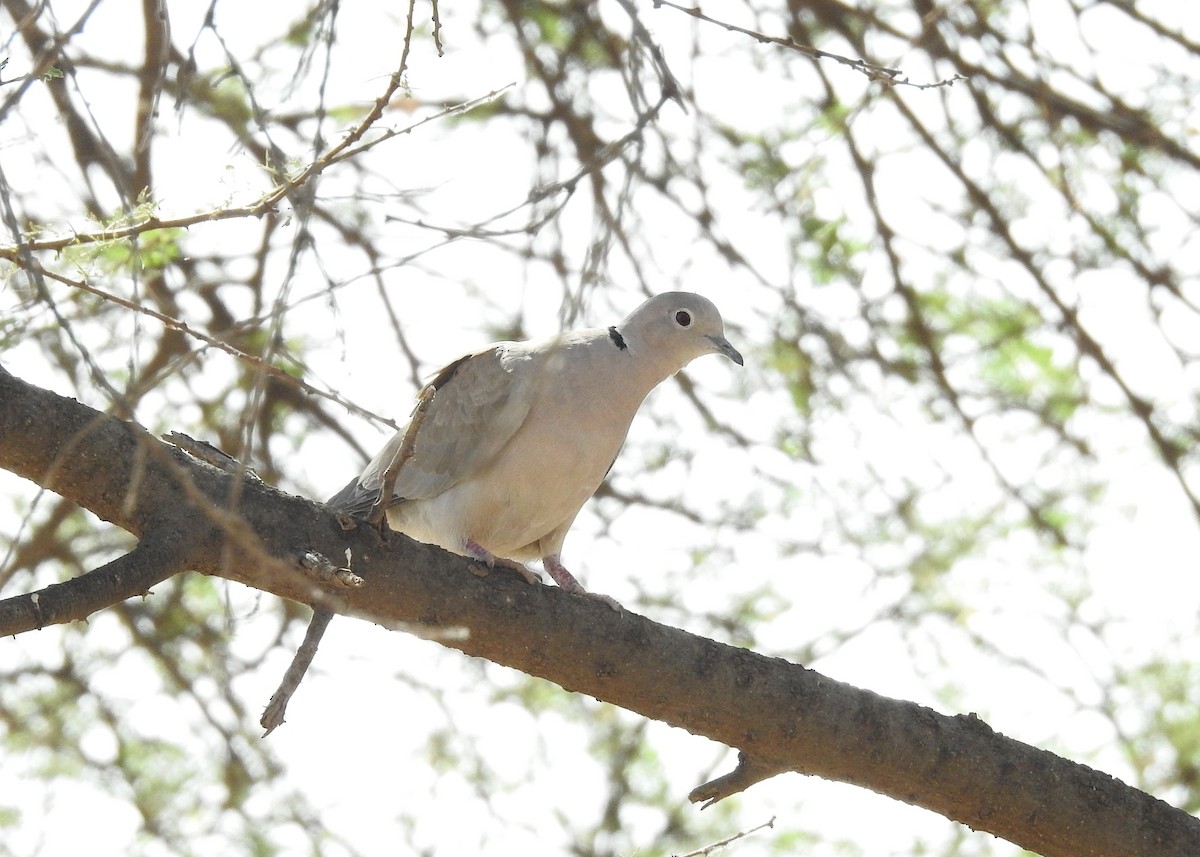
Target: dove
x: 507, y: 443
x: 519, y: 435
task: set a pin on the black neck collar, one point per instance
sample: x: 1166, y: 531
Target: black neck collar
x: 617, y: 339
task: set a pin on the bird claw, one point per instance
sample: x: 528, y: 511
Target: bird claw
x: 528, y: 575
x: 477, y: 551
x: 603, y: 599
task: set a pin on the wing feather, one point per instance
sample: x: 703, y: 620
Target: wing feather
x: 480, y: 402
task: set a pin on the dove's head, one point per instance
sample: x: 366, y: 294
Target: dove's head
x: 679, y: 326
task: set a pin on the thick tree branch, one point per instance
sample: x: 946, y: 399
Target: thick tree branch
x: 779, y: 714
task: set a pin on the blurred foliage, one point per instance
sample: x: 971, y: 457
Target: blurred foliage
x: 971, y: 318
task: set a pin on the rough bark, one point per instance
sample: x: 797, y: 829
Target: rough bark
x: 188, y: 514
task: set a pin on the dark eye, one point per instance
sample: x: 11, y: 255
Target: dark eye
x: 683, y: 318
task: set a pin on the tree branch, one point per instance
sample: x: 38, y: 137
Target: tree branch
x: 779, y: 714
x: 272, y: 717
x: 127, y: 576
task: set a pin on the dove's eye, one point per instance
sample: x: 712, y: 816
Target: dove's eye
x: 683, y: 318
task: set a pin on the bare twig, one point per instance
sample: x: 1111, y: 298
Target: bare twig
x: 875, y: 72
x: 272, y: 716
x: 708, y: 849
x: 403, y: 454
x: 437, y: 28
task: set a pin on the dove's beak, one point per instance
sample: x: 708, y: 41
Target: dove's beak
x: 721, y: 346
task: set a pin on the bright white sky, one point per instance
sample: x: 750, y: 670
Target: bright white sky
x: 361, y: 683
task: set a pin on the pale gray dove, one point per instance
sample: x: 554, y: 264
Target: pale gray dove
x: 518, y: 435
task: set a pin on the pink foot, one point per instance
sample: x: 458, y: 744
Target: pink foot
x: 477, y: 551
x: 567, y: 581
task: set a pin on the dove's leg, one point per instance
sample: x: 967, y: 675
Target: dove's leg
x: 561, y: 576
x: 567, y: 581
x: 477, y: 551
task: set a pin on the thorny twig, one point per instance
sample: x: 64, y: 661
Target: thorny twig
x: 878, y: 73
x: 708, y: 849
